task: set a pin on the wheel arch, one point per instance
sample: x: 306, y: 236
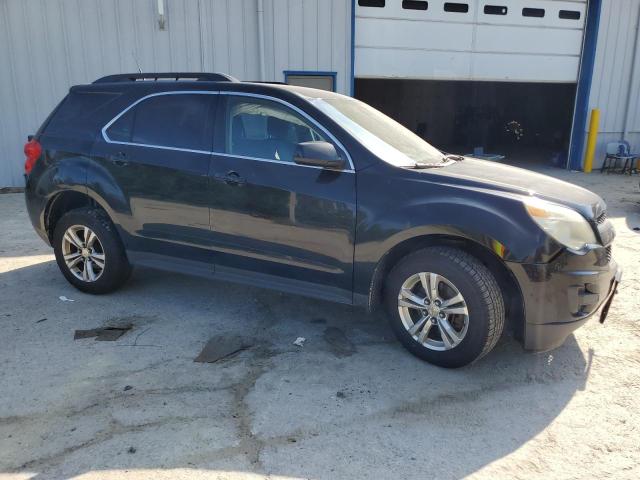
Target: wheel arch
x: 509, y: 287
x: 63, y: 202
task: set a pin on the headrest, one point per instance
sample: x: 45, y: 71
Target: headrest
x: 237, y: 128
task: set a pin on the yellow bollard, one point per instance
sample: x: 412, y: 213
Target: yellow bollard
x: 591, y: 140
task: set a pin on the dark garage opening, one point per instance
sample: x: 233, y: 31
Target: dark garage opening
x: 527, y: 123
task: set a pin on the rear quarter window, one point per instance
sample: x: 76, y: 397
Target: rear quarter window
x: 80, y: 115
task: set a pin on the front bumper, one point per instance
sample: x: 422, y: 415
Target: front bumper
x: 560, y: 296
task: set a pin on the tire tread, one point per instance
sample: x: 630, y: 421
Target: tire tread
x: 483, y: 279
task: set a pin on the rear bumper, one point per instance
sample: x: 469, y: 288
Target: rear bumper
x: 560, y: 296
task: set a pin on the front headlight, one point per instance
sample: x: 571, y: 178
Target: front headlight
x: 564, y: 224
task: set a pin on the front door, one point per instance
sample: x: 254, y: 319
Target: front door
x: 274, y: 222
x: 158, y: 153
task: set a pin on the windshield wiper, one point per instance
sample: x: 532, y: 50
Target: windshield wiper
x: 451, y: 156
x: 447, y: 158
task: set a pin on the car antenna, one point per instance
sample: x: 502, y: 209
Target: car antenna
x: 135, y: 59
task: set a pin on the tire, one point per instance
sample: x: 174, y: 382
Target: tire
x: 106, y: 245
x: 481, y: 300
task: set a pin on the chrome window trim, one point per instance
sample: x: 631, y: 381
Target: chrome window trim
x: 106, y: 138
x: 282, y: 162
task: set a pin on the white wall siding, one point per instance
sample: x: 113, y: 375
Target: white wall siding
x: 46, y: 46
x: 612, y: 78
x: 310, y: 35
x: 229, y: 32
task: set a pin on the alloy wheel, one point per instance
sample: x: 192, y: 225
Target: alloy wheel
x: 83, y: 253
x: 433, y: 311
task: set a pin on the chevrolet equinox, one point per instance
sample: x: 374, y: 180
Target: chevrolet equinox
x: 318, y: 194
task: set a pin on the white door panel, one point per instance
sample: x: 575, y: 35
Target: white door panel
x: 521, y: 68
x: 391, y: 63
x: 474, y: 45
x: 508, y: 39
x: 378, y: 32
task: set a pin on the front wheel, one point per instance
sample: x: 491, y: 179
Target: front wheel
x: 444, y: 306
x: 89, y: 252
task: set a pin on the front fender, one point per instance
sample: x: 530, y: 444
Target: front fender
x: 487, y: 224
x: 495, y: 220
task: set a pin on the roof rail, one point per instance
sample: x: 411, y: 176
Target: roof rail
x: 133, y: 77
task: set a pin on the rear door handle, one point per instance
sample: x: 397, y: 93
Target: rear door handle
x: 231, y: 178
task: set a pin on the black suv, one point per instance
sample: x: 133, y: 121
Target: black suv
x: 318, y: 194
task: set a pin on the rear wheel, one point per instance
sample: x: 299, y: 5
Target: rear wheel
x: 89, y: 252
x: 444, y: 306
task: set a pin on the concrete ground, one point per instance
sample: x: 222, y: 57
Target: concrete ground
x: 350, y: 403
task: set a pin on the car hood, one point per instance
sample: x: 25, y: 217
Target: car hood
x: 505, y: 178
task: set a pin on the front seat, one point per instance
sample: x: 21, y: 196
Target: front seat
x: 280, y: 139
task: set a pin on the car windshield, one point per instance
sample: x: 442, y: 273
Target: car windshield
x: 383, y: 136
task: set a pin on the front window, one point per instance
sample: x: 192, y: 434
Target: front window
x: 265, y: 129
x: 381, y: 135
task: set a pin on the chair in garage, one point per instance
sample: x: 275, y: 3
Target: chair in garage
x: 630, y: 163
x: 617, y: 152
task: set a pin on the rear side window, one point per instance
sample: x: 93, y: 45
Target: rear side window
x: 174, y: 121
x: 80, y: 115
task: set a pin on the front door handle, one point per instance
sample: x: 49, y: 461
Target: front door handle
x: 231, y: 178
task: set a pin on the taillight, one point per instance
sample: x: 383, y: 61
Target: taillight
x: 32, y: 150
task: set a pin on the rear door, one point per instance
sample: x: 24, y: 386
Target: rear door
x: 155, y: 157
x: 272, y: 220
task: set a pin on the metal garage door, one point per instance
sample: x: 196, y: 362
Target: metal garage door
x: 499, y: 40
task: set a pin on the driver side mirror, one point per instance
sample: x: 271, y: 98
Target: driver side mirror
x: 318, y: 154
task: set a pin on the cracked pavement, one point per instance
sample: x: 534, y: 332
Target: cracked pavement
x: 350, y: 403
